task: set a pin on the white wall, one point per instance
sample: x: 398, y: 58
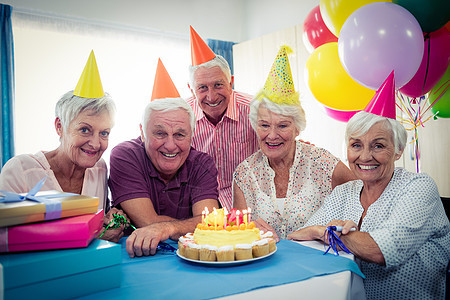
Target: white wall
x: 267, y: 16
x: 221, y: 20
x: 50, y: 56
x: 54, y: 37
x: 229, y: 20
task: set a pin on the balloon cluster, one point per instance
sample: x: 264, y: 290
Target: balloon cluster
x: 355, y: 45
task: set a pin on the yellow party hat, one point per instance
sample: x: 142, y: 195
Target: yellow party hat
x: 279, y: 87
x: 90, y: 85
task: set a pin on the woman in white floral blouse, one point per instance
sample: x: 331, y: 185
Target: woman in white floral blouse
x: 286, y: 181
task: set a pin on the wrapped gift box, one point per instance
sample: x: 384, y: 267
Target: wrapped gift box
x: 61, y: 274
x: 72, y: 232
x: 27, y: 211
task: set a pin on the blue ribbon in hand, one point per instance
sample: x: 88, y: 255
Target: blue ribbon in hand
x: 334, y: 241
x: 165, y: 248
x: 52, y: 207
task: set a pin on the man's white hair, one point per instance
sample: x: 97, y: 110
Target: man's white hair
x: 167, y: 104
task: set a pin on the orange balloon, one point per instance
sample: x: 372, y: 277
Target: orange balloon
x: 331, y: 85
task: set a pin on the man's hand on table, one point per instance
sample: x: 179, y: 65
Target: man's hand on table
x: 143, y: 241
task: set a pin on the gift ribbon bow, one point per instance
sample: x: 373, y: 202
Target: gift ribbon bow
x: 116, y: 222
x: 52, y: 206
x: 334, y: 241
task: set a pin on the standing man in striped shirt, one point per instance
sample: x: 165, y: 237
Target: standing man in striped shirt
x: 222, y: 127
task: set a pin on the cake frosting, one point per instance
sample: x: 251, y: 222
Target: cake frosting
x: 222, y: 238
x: 267, y: 234
x: 243, y: 246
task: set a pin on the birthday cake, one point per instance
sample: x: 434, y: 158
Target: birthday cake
x: 224, y: 236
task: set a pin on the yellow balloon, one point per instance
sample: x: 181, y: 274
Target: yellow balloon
x: 331, y: 85
x: 335, y: 12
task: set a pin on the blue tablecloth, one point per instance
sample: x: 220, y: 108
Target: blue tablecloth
x: 170, y: 277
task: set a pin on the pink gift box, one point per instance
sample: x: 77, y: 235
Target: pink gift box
x: 72, y: 232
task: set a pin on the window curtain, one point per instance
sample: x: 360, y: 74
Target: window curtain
x: 224, y: 49
x: 6, y: 84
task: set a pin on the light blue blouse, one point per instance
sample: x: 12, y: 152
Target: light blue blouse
x: 409, y: 224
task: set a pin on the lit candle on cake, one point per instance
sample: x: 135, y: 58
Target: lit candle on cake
x: 237, y: 217
x: 215, y: 219
x: 203, y: 217
x: 245, y: 216
x: 206, y: 216
x: 225, y: 216
x: 249, y: 216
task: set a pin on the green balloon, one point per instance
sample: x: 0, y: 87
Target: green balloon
x: 431, y: 14
x: 443, y: 104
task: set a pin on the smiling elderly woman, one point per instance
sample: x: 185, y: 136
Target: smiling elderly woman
x: 286, y: 181
x: 84, y: 119
x: 76, y: 166
x: 403, y: 242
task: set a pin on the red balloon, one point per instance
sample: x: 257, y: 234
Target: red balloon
x: 434, y: 63
x: 315, y: 32
x: 340, y: 115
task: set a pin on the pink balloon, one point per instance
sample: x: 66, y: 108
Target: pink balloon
x: 435, y: 60
x: 378, y: 38
x: 340, y: 115
x: 315, y: 32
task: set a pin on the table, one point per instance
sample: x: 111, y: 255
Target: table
x: 293, y: 270
x: 342, y: 285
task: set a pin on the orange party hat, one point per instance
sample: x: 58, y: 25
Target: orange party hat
x: 89, y: 85
x: 279, y: 86
x: 200, y: 52
x: 163, y: 87
x: 383, y: 103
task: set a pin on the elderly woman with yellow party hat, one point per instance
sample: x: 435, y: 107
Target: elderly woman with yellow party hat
x: 84, y: 119
x: 286, y: 181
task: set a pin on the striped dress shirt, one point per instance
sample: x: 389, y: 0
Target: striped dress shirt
x: 229, y: 142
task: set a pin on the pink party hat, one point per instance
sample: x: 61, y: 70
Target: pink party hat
x: 383, y: 103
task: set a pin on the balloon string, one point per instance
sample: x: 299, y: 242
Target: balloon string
x: 428, y: 40
x: 441, y: 87
x: 416, y: 120
x: 406, y: 121
x: 422, y: 105
x: 416, y: 148
x: 407, y: 112
x: 443, y: 92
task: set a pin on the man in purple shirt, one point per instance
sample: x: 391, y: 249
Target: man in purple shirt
x: 161, y: 183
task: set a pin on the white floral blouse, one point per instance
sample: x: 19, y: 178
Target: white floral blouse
x: 309, y: 183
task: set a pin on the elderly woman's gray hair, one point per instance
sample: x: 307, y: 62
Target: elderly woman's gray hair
x: 70, y: 106
x: 217, y: 61
x: 167, y: 104
x: 362, y: 121
x: 295, y: 111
